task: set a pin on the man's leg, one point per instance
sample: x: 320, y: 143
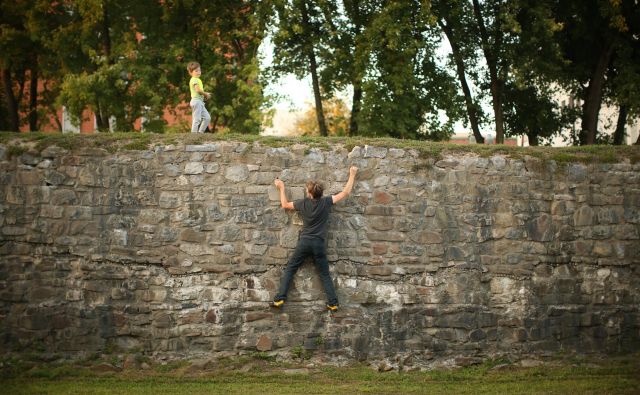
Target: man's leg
x: 294, y: 263
x: 320, y: 259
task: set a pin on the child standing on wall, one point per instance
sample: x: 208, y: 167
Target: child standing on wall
x: 200, y: 115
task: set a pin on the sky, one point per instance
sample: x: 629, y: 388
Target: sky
x: 295, y: 93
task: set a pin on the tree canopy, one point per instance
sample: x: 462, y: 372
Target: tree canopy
x: 412, y: 69
x: 127, y: 59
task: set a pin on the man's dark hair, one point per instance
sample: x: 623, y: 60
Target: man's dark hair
x: 315, y: 189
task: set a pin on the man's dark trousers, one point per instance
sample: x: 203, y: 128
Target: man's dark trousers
x: 313, y: 247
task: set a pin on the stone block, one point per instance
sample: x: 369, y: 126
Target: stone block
x: 541, y: 228
x: 264, y: 343
x: 60, y: 197
x: 447, y: 163
x: 202, y: 148
x: 385, y: 236
x: 192, y: 168
x: 256, y: 249
x: 374, y: 152
x: 379, y: 248
x: 168, y: 200
x: 382, y: 223
x: 382, y: 197
x: 602, y: 249
x: 211, y: 168
x: 584, y: 216
x: 384, y: 210
x: 237, y: 173
x: 154, y: 294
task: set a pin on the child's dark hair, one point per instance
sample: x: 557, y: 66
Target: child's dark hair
x: 315, y: 189
x: 192, y: 66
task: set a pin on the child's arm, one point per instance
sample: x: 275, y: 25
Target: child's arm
x: 200, y: 91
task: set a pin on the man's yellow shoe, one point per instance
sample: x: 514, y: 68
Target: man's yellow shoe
x: 332, y: 307
x: 277, y: 303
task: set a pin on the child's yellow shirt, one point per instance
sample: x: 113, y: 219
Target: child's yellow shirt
x: 192, y: 87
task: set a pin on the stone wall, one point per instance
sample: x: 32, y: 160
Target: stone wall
x: 178, y: 250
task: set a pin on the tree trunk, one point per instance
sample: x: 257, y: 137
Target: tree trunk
x: 533, y: 138
x: 106, y: 37
x: 496, y: 83
x: 356, y: 102
x: 214, y: 123
x: 102, y: 116
x: 356, y: 106
x: 593, y: 97
x: 460, y: 67
x: 12, y: 104
x: 313, y: 65
x: 102, y: 121
x: 33, y: 96
x: 619, y: 134
x: 316, y: 94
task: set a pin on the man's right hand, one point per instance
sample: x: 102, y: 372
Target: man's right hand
x: 352, y: 171
x: 278, y: 183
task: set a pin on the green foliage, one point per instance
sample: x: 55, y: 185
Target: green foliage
x: 263, y: 356
x: 600, y: 58
x: 15, y: 150
x: 126, y: 60
x: 300, y: 353
x: 171, y: 366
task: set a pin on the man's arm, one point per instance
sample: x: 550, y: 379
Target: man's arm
x: 348, y: 187
x: 284, y: 203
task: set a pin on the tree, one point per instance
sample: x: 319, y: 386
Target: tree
x: 595, y: 33
x: 98, y: 50
x: 16, y: 48
x: 345, y: 51
x: 490, y: 17
x: 624, y: 71
x: 529, y: 104
x: 406, y: 89
x: 125, y: 60
x: 296, y: 39
x: 454, y: 18
x: 225, y: 41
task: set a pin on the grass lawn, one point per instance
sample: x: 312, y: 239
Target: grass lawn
x: 604, y: 376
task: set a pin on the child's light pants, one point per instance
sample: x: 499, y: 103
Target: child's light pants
x: 200, y: 116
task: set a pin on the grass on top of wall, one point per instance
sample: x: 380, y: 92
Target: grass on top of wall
x: 18, y: 143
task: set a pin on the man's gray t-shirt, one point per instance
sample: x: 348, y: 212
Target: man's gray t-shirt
x: 315, y: 216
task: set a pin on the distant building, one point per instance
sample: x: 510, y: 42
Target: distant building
x: 607, y: 121
x: 62, y: 120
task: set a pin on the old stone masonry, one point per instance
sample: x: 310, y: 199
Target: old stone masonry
x: 177, y: 251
